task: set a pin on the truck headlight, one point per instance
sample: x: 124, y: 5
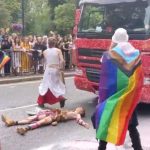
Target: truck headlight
x: 79, y: 72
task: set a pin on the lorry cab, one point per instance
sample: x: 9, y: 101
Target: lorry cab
x: 96, y: 21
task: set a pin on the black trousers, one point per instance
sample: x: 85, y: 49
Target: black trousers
x: 67, y: 59
x: 7, y: 66
x: 133, y: 132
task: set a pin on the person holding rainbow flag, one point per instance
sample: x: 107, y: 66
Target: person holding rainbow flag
x: 119, y: 93
x: 3, y: 59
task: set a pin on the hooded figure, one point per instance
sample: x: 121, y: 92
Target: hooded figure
x: 120, y: 86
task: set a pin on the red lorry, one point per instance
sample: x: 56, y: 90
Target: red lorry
x: 95, y: 23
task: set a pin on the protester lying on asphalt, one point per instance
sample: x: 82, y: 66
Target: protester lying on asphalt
x: 46, y: 117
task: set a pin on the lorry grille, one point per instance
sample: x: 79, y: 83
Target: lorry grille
x: 93, y: 74
x: 89, y: 61
x: 90, y: 52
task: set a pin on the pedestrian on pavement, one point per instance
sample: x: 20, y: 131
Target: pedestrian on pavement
x: 46, y: 117
x: 6, y: 47
x: 66, y: 51
x: 25, y: 54
x: 37, y: 51
x: 3, y: 59
x: 52, y: 88
x: 119, y: 92
x: 16, y: 55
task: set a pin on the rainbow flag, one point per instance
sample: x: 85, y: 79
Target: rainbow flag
x: 3, y: 59
x: 119, y: 93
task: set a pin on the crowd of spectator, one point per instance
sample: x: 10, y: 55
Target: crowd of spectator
x: 26, y: 52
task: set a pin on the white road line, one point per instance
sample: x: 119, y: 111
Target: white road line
x: 21, y: 107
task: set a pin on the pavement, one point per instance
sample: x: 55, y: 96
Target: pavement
x: 32, y: 77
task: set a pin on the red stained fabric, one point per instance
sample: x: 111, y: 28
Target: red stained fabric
x: 48, y: 98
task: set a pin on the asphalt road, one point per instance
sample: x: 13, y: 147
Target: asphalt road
x: 16, y: 99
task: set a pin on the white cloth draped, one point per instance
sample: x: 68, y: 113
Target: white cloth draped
x: 52, y: 81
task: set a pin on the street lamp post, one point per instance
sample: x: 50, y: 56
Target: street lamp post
x: 23, y: 25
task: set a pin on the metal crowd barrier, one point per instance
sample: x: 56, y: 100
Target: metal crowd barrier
x: 20, y: 63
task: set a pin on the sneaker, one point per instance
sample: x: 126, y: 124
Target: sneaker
x: 8, y: 122
x: 41, y: 106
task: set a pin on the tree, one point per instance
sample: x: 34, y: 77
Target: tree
x: 64, y: 17
x: 55, y: 3
x: 4, y: 16
x: 13, y: 6
x: 37, y: 17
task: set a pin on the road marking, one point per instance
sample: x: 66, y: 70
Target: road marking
x: 27, y: 82
x: 23, y: 83
x: 21, y: 107
x: 15, y: 108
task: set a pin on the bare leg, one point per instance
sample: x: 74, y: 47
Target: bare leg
x: 42, y: 122
x: 31, y: 119
x: 27, y: 120
x: 8, y: 121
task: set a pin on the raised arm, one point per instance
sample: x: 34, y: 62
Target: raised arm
x: 62, y: 62
x: 71, y: 115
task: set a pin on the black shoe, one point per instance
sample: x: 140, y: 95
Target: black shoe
x: 102, y: 145
x: 62, y: 103
x: 41, y: 106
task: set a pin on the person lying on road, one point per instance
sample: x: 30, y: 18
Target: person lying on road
x: 46, y: 117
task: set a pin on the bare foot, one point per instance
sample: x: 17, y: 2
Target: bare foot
x: 8, y: 122
x: 21, y: 131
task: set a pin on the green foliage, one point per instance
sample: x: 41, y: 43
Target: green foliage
x: 13, y: 6
x: 4, y: 15
x: 64, y: 17
x: 92, y: 16
x: 41, y: 16
x: 37, y: 18
x: 55, y: 3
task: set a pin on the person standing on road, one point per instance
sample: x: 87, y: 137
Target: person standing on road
x: 119, y: 92
x: 52, y: 88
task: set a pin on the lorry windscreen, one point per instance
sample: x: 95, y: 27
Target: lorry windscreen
x: 134, y: 17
